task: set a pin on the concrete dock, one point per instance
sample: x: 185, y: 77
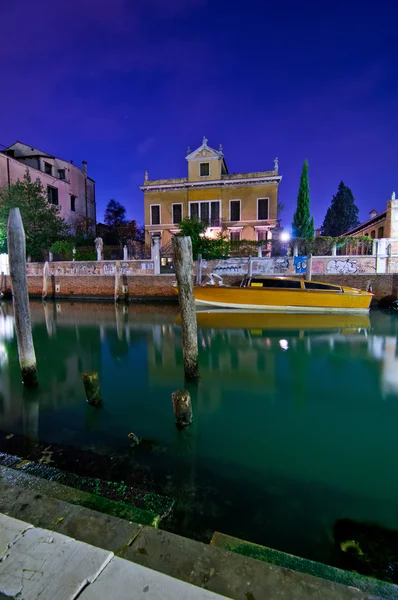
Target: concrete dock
x: 56, y: 550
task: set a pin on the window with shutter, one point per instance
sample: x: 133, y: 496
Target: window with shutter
x: 177, y: 214
x: 262, y: 209
x: 204, y: 169
x: 235, y: 210
x: 52, y: 195
x: 155, y: 214
x: 194, y: 210
x: 215, y: 214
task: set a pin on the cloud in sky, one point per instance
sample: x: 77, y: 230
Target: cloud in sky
x: 145, y: 145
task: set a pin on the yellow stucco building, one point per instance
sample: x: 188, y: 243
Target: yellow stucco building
x: 244, y: 204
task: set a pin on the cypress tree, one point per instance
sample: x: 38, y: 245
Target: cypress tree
x: 342, y: 214
x: 303, y: 223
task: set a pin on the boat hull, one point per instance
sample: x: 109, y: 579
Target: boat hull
x: 297, y: 301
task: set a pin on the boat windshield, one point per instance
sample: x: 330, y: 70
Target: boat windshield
x: 272, y: 282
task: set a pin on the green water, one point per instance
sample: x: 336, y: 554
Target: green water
x: 293, y: 428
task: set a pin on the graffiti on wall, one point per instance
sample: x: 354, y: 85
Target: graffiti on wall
x: 341, y: 267
x: 232, y: 266
x: 300, y: 264
x: 282, y: 265
x: 358, y: 265
x: 133, y: 267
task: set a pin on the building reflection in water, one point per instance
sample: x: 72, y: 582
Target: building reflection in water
x: 71, y: 338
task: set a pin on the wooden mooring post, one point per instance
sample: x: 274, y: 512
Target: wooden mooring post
x: 19, y: 284
x: 92, y: 387
x: 2, y: 283
x: 183, y: 264
x: 46, y: 273
x: 308, y: 275
x: 182, y: 407
x: 199, y: 270
x: 117, y: 280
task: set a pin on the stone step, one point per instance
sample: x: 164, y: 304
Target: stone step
x: 46, y: 480
x: 303, y: 565
x: 37, y: 563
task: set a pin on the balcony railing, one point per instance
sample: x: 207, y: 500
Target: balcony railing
x: 212, y: 222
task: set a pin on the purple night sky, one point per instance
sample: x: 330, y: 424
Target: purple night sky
x: 128, y: 84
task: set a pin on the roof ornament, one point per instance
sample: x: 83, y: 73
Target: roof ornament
x: 276, y: 164
x: 220, y: 148
x: 393, y: 196
x: 146, y: 175
x: 204, y: 141
x: 189, y: 150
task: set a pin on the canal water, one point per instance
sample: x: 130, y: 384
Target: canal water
x: 295, y: 417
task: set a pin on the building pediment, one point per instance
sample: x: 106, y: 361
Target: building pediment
x: 204, y: 151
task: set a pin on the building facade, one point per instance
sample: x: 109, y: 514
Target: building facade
x: 243, y: 204
x: 380, y: 225
x: 67, y: 185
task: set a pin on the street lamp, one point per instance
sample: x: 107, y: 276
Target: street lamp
x: 285, y: 236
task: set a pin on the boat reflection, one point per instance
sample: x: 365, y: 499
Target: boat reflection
x: 229, y: 319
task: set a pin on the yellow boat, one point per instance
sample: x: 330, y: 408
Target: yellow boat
x: 284, y: 294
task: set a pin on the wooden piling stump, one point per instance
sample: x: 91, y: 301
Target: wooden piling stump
x: 46, y: 273
x: 183, y: 263
x: 92, y: 387
x: 182, y: 407
x: 19, y: 283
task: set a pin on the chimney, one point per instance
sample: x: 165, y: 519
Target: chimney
x: 373, y: 213
x: 84, y: 166
x: 317, y: 232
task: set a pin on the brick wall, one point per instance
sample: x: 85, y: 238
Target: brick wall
x: 102, y: 286
x: 160, y: 286
x: 383, y: 286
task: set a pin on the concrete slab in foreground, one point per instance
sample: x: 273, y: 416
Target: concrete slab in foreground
x: 40, y: 564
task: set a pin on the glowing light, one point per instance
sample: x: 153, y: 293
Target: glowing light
x: 284, y: 344
x: 3, y: 355
x: 285, y: 236
x: 4, y: 268
x: 6, y: 328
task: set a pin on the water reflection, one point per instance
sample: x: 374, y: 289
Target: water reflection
x: 298, y: 412
x: 71, y: 338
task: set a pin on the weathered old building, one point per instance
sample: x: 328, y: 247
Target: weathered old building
x: 380, y: 225
x: 244, y: 204
x: 67, y: 185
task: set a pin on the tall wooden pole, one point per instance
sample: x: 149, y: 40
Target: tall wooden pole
x: 308, y: 275
x: 117, y: 280
x: 199, y: 270
x: 19, y: 283
x: 46, y: 273
x: 183, y: 264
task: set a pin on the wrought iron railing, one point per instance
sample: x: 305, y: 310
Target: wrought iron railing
x: 212, y: 222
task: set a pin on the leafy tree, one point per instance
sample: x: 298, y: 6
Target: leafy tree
x: 195, y: 229
x: 140, y: 234
x: 115, y: 214
x: 120, y: 228
x: 84, y: 231
x: 42, y: 222
x: 65, y: 249
x: 342, y: 214
x: 217, y: 247
x: 208, y: 247
x: 303, y: 223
